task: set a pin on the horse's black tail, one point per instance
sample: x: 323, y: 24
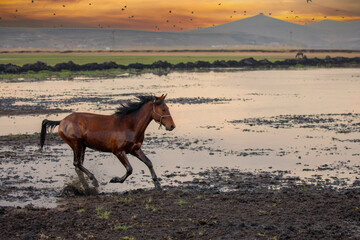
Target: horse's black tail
x: 44, y: 126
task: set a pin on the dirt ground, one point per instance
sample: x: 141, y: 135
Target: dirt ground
x: 263, y: 206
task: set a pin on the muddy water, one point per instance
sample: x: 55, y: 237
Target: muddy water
x: 302, y: 123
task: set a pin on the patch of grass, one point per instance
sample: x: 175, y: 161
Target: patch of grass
x: 102, y: 214
x: 81, y: 210
x: 128, y: 238
x: 120, y: 227
x: 64, y: 74
x: 125, y: 200
x: 344, y: 131
x: 181, y: 202
x: 150, y: 207
x: 262, y: 212
x: 53, y: 59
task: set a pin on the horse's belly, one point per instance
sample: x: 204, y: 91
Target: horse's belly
x: 98, y: 142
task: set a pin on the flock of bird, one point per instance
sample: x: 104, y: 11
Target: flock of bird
x: 173, y: 24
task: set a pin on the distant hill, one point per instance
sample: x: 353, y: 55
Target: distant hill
x: 256, y: 30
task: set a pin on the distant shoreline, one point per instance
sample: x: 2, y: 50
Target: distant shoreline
x: 249, y: 63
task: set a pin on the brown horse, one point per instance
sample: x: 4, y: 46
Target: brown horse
x: 120, y: 133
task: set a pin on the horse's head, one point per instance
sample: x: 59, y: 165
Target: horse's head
x: 161, y: 113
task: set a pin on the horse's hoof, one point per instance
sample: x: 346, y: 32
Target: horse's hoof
x: 116, y: 180
x: 95, y: 183
x: 157, y: 186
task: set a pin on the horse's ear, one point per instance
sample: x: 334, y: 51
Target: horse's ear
x: 160, y: 99
x: 164, y: 97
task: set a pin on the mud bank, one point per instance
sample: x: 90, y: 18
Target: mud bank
x: 263, y: 206
x: 249, y: 63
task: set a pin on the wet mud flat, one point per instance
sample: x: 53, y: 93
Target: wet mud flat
x: 33, y: 178
x: 287, y: 176
x: 217, y: 203
x: 263, y: 206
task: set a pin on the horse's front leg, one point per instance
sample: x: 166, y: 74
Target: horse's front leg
x: 124, y: 160
x: 141, y: 155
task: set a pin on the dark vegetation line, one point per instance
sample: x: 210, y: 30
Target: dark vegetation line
x: 244, y: 63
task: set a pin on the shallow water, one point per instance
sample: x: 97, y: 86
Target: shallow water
x: 210, y: 132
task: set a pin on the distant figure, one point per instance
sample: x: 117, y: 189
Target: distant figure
x: 299, y: 55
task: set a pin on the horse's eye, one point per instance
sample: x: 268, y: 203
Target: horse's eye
x: 163, y: 110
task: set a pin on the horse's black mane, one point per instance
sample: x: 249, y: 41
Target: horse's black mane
x: 132, y: 106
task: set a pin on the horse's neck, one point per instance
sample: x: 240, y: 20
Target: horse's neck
x: 142, y: 119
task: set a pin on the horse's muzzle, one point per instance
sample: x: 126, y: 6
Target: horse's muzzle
x: 170, y: 128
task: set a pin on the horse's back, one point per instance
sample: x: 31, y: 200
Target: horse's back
x: 96, y: 130
x: 78, y: 123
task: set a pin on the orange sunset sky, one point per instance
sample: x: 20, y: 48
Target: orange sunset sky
x: 156, y: 15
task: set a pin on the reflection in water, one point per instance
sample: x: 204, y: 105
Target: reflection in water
x: 207, y: 134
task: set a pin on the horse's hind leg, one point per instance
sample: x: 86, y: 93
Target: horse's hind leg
x: 79, y: 156
x: 124, y: 160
